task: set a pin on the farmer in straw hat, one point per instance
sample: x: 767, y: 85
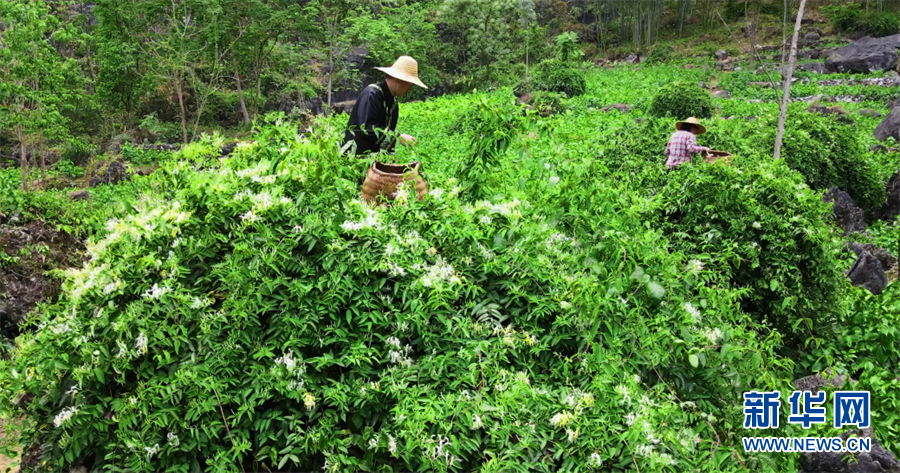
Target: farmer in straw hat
x: 375, y: 110
x: 683, y: 143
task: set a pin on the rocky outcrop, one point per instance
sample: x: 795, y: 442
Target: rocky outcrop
x: 721, y: 55
x: 815, y: 382
x: 33, y: 249
x: 883, y: 256
x: 624, y: 108
x: 891, y: 209
x: 110, y: 172
x: 877, y: 460
x: 847, y: 215
x: 866, y: 55
x: 868, y: 273
x: 815, y: 67
x: 890, y: 125
x: 868, y: 112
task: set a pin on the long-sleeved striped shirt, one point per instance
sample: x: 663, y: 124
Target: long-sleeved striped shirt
x: 682, y: 145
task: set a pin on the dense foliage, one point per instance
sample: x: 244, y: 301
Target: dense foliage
x: 681, y: 100
x: 828, y: 154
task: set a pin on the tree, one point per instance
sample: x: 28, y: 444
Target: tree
x: 787, y: 82
x: 34, y: 89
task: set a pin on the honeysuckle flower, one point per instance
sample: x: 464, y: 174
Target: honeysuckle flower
x: 392, y: 444
x: 622, y: 391
x: 595, y: 460
x: 151, y: 451
x: 401, y: 195
x: 431, y: 251
x: 373, y: 443
x: 554, y: 180
x: 486, y: 220
x: 64, y: 416
x: 694, y: 266
x: 297, y: 229
x: 141, y: 343
x: 476, y: 422
x: 287, y: 359
x: 547, y: 166
x: 250, y: 216
x: 309, y: 401
x: 693, y: 312
x: 572, y: 435
x: 757, y: 225
x: 173, y: 440
x: 713, y: 335
x: 561, y: 419
x: 565, y: 304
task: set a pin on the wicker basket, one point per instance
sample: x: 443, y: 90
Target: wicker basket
x: 713, y: 156
x: 382, y: 180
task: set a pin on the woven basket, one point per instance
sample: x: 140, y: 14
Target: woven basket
x: 382, y: 180
x: 713, y: 156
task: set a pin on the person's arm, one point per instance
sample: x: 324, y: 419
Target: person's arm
x: 692, y: 145
x: 371, y: 115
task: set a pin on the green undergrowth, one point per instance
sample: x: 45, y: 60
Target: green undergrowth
x: 557, y: 302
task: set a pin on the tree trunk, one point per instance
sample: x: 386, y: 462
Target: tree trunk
x: 751, y: 24
x: 178, y: 90
x: 41, y: 141
x: 787, y: 81
x: 330, y: 71
x: 23, y: 157
x: 237, y: 81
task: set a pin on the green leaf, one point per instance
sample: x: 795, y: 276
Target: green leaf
x: 694, y: 360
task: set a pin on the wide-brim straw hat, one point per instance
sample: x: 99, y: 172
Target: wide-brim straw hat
x: 406, y: 69
x: 691, y: 121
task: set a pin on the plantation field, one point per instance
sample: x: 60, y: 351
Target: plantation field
x: 557, y: 302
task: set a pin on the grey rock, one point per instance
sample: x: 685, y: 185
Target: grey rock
x: 811, y: 38
x: 847, y: 215
x: 624, y: 108
x: 79, y: 195
x: 866, y: 55
x: 877, y: 460
x: 891, y: 75
x: 868, y: 273
x: 868, y: 112
x: 890, y: 125
x: 111, y: 174
x: 891, y: 209
x: 879, y: 149
x: 815, y: 382
x: 883, y: 256
x: 722, y: 94
x: 632, y: 58
x: 721, y: 55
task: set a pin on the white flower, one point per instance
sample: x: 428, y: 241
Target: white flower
x: 151, y: 451
x: 637, y: 378
x: 561, y: 419
x: 431, y: 251
x: 437, y: 193
x: 64, y: 416
x: 373, y: 443
x: 693, y: 312
x: 486, y: 220
x: 476, y: 422
x: 572, y: 434
x: 757, y: 225
x: 297, y: 229
x: 155, y: 292
x: 630, y: 418
x: 695, y: 266
x: 392, y: 444
x: 595, y: 460
x: 285, y: 200
x: 282, y: 150
x: 287, y: 359
x: 713, y: 335
x: 401, y: 195
x: 554, y: 180
x: 622, y: 391
x: 754, y: 244
x: 74, y: 389
x: 547, y: 166
x: 250, y: 216
x: 173, y: 440
x: 141, y: 343
x: 565, y: 304
x: 199, y: 303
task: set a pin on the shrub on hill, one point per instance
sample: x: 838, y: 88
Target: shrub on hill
x: 553, y: 75
x: 768, y: 233
x: 259, y: 317
x: 828, y: 154
x: 681, y: 100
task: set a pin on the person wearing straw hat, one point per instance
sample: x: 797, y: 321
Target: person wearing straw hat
x: 683, y: 143
x: 375, y: 112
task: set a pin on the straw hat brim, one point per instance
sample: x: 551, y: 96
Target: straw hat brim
x: 398, y: 74
x: 680, y: 125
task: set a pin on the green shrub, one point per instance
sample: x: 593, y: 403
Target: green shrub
x: 66, y: 168
x: 161, y: 131
x: 553, y: 75
x: 767, y: 231
x: 883, y: 23
x: 415, y: 337
x: 828, y: 154
x: 659, y: 54
x: 846, y: 17
x: 681, y: 100
x: 140, y: 156
x: 547, y: 103
x: 78, y: 151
